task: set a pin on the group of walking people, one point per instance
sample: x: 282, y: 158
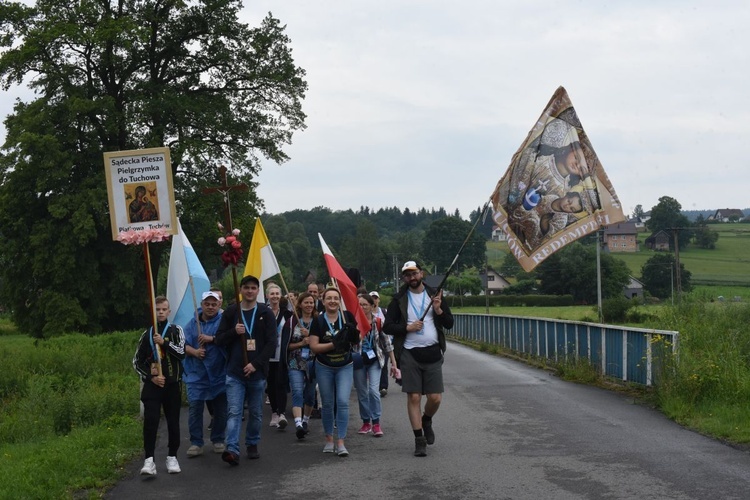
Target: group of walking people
x: 235, y: 359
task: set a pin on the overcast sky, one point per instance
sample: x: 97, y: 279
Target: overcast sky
x: 423, y: 103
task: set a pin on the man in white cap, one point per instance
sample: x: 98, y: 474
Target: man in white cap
x: 416, y: 318
x: 205, y: 375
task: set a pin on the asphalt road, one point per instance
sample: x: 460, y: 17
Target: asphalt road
x: 505, y: 430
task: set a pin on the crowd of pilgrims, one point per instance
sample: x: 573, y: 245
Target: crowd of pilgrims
x: 296, y: 334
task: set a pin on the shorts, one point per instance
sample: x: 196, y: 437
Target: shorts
x: 422, y: 378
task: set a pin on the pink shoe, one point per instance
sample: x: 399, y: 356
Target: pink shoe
x: 377, y: 431
x: 366, y: 427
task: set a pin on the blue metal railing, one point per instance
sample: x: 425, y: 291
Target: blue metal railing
x: 621, y: 352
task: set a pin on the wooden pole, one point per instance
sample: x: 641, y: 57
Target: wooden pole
x: 152, y: 303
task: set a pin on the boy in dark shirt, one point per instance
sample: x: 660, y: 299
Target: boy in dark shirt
x: 163, y: 348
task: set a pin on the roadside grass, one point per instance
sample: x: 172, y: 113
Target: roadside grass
x: 68, y: 414
x: 69, y: 405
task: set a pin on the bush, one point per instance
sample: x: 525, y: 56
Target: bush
x: 615, y: 309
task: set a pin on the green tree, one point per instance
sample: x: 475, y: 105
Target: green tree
x: 444, y: 238
x: 638, y: 211
x: 116, y: 76
x: 705, y: 237
x: 572, y: 271
x: 364, y: 250
x: 510, y: 266
x: 666, y: 216
x: 657, y: 274
x: 468, y: 281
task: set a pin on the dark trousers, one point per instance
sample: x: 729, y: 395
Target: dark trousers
x: 384, y: 374
x: 155, y: 398
x: 277, y: 394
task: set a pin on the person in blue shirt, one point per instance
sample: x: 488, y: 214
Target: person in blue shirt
x: 205, y: 374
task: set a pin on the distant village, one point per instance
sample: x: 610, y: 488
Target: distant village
x: 623, y: 237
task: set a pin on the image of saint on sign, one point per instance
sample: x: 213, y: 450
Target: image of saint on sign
x: 142, y: 209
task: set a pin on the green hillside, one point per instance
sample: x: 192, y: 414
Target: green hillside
x: 728, y: 264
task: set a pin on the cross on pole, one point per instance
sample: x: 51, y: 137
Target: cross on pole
x: 224, y: 189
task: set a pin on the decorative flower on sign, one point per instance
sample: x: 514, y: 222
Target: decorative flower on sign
x: 233, y: 253
x: 143, y: 236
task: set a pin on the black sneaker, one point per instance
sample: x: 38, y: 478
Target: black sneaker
x: 300, y: 432
x: 305, y: 427
x: 420, y: 446
x: 252, y: 452
x: 230, y: 458
x: 429, y: 434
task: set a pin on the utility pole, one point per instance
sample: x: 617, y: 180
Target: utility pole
x: 678, y: 278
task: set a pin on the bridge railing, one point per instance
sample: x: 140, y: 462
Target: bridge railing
x: 629, y: 354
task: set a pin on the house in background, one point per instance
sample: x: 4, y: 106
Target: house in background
x: 728, y: 215
x: 498, y: 234
x: 622, y: 237
x: 492, y: 281
x: 633, y: 289
x: 658, y: 241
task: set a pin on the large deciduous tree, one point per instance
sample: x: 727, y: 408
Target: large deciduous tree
x: 572, y: 271
x: 658, y: 277
x: 667, y: 216
x: 114, y: 75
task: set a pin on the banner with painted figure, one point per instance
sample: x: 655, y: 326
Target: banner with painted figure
x: 555, y: 190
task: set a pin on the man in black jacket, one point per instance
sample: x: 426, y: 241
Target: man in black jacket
x: 248, y: 331
x: 419, y: 346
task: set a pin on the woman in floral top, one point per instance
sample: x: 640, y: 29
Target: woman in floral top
x: 299, y: 360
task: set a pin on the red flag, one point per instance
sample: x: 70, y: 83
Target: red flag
x: 347, y: 288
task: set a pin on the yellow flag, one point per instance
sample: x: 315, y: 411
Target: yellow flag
x: 261, y: 262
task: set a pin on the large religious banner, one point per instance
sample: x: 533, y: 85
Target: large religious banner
x: 555, y: 190
x: 140, y: 189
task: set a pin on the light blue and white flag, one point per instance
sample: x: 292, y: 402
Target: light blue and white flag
x: 186, y: 280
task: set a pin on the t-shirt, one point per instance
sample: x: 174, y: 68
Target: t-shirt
x: 418, y: 303
x: 325, y: 331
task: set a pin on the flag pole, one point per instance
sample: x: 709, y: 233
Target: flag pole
x: 195, y: 305
x: 152, y: 302
x: 286, y: 290
x: 455, y: 259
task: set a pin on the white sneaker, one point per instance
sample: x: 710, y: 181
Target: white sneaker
x: 219, y: 447
x: 282, y: 421
x: 274, y: 420
x: 149, y: 467
x: 173, y: 466
x: 195, y: 450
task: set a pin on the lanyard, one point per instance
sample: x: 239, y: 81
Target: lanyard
x: 414, y: 305
x: 151, y: 338
x: 331, y: 328
x: 249, y: 331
